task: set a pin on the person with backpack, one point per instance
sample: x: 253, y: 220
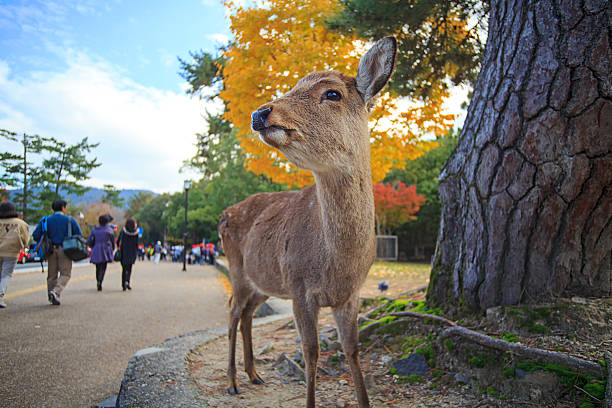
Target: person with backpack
x: 59, y: 266
x: 128, y: 248
x: 14, y: 237
x: 102, y: 243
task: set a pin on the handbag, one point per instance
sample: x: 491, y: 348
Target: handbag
x: 117, y: 256
x: 75, y: 246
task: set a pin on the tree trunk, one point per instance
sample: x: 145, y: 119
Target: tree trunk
x: 527, y: 194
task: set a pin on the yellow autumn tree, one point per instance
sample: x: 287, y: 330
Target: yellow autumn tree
x: 276, y: 45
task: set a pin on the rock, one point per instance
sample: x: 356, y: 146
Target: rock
x: 386, y: 359
x: 298, y: 358
x: 494, y: 314
x: 336, y: 360
x: 265, y: 310
x: 287, y: 367
x: 373, y: 357
x: 579, y: 300
x: 520, y: 374
x: 414, y: 364
x: 266, y: 349
x: 534, y: 384
x: 460, y: 379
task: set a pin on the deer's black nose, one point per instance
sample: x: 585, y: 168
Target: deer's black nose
x: 258, y: 119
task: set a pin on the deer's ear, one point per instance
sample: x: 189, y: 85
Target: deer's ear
x: 375, y: 68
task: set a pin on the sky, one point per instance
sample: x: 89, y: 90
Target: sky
x: 108, y: 70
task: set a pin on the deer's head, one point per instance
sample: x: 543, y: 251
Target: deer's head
x: 322, y: 123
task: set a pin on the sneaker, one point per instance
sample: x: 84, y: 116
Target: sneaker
x: 2, y: 304
x: 50, y: 297
x: 55, y: 298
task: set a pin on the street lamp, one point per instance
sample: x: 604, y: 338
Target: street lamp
x: 187, y: 186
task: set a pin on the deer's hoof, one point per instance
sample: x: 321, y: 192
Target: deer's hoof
x: 257, y: 381
x: 233, y: 390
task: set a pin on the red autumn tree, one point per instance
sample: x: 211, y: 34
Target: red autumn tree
x: 396, y: 203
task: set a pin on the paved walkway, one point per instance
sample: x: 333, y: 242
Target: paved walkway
x: 75, y: 355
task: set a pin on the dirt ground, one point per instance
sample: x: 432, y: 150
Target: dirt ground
x: 208, y: 363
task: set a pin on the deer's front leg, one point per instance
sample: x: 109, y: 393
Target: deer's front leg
x: 346, y: 319
x: 306, y: 317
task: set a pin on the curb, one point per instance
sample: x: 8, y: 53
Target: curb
x: 158, y: 376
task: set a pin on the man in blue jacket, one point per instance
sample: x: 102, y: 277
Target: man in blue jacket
x: 57, y: 263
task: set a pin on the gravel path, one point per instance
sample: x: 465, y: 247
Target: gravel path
x: 75, y: 355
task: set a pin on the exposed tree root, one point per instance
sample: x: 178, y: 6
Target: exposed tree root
x: 425, y: 316
x: 578, y: 364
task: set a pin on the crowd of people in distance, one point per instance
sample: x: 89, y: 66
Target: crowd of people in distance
x: 203, y: 253
x: 50, y: 236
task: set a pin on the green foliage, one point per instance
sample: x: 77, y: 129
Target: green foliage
x: 427, y: 351
x: 477, y: 361
x: 410, y: 344
x: 509, y: 372
x: 437, y: 42
x: 382, y: 321
x: 421, y: 307
x: 111, y: 196
x: 510, y: 337
x: 204, y: 71
x: 448, y: 343
x: 410, y: 379
x: 423, y: 172
x: 63, y: 168
x: 531, y: 318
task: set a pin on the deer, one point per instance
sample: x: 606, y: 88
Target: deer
x: 316, y: 245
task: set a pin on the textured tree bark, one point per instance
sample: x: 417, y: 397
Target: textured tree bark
x: 527, y: 194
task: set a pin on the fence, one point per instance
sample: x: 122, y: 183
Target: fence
x: 386, y: 247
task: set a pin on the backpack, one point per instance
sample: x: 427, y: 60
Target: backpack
x: 44, y: 246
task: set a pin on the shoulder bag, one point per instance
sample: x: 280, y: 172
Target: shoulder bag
x: 75, y: 246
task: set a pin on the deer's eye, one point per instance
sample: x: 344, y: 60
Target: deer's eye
x: 332, y: 95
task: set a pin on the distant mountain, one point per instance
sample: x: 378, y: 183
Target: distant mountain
x: 94, y: 196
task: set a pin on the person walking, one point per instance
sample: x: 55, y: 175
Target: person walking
x: 102, y: 243
x: 157, y: 252
x: 128, y: 247
x: 59, y: 266
x: 14, y: 237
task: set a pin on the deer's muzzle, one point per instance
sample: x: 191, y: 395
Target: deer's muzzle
x: 258, y: 119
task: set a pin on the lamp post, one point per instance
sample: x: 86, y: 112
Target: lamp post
x: 187, y: 186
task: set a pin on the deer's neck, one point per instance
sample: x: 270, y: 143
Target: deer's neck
x: 347, y: 209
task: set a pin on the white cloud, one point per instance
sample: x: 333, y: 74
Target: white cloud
x: 144, y: 133
x: 219, y: 38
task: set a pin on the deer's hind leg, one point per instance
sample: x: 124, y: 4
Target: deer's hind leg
x: 237, y: 304
x: 246, y: 324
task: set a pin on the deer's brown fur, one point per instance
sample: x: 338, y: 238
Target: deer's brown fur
x: 316, y: 245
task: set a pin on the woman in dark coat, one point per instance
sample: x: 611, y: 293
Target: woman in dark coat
x: 128, y: 245
x: 102, y: 243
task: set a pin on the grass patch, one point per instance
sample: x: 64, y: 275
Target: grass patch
x: 382, y: 321
x: 410, y: 379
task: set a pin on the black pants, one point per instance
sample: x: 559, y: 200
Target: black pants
x: 100, y: 271
x: 126, y: 273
